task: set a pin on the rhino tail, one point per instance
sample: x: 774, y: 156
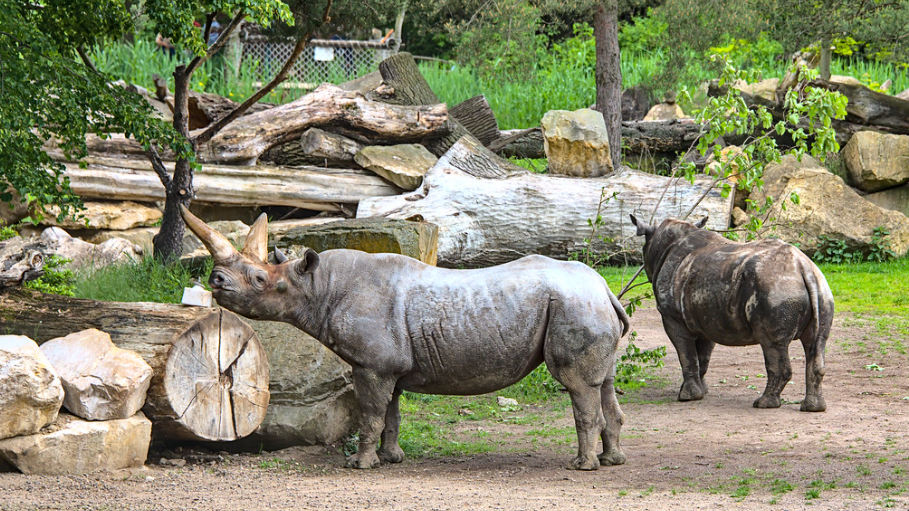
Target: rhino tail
x: 620, y: 311
x: 816, y: 285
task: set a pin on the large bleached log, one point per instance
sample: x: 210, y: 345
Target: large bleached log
x: 478, y: 119
x: 210, y: 373
x: 245, y: 139
x: 303, y: 187
x: 490, y: 221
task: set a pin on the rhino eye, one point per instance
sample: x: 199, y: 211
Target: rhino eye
x: 258, y: 280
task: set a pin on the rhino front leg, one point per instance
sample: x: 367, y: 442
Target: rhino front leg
x: 390, y: 451
x: 779, y: 371
x: 705, y: 350
x: 373, y: 393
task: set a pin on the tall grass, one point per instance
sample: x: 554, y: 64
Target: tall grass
x: 146, y: 280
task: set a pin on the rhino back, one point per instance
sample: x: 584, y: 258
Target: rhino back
x: 738, y: 294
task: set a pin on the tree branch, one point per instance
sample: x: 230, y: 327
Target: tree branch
x: 158, y: 166
x: 218, y: 125
x: 218, y: 44
x: 85, y: 60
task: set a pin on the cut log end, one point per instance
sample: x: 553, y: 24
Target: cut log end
x: 216, y: 380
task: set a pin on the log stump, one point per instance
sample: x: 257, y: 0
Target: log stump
x: 210, y: 372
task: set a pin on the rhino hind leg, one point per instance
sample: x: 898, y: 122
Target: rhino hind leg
x: 814, y: 375
x: 685, y: 343
x: 389, y: 450
x: 705, y: 350
x: 612, y: 453
x: 589, y: 422
x: 779, y: 372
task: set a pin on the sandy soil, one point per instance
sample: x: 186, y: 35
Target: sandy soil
x: 719, y: 453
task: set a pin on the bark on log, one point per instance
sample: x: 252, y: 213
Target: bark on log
x: 205, y: 108
x: 245, y: 139
x: 477, y: 117
x: 210, y: 373
x: 520, y: 143
x: 404, y: 85
x: 470, y: 157
x: 303, y: 187
x: 868, y: 108
x: 491, y: 221
x: 316, y: 147
x: 20, y: 261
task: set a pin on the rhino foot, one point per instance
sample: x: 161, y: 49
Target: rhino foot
x: 813, y: 405
x: 584, y: 463
x: 767, y: 402
x: 358, y: 461
x: 691, y: 391
x: 394, y: 454
x: 615, y: 457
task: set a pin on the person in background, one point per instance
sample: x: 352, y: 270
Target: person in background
x: 165, y: 45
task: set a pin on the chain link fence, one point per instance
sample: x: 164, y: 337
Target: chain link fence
x: 322, y: 60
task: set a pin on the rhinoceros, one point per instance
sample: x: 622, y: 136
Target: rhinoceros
x: 710, y: 290
x: 405, y: 325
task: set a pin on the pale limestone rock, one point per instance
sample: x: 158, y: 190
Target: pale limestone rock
x: 102, y: 381
x: 87, y: 255
x: 404, y: 164
x: 714, y: 167
x: 739, y: 217
x: 576, y: 143
x: 877, y: 161
x: 30, y: 390
x: 765, y: 88
x: 665, y: 112
x: 823, y: 199
x: 904, y: 95
x: 117, y: 216
x: 73, y: 446
x: 847, y: 80
x: 894, y: 199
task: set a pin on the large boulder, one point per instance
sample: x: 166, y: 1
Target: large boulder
x: 403, y: 164
x: 101, y: 381
x: 665, y: 112
x: 823, y: 199
x: 84, y: 255
x: 765, y: 88
x: 312, y: 401
x: 30, y: 390
x: 576, y: 143
x: 877, y: 161
x: 73, y: 446
x: 374, y: 235
x: 116, y: 216
x: 894, y: 199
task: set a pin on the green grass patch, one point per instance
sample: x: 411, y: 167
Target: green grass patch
x: 146, y: 280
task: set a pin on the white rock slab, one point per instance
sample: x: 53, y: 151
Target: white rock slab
x: 30, y: 390
x: 102, y: 381
x: 73, y: 446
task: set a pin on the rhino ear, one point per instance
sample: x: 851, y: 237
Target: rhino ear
x: 642, y: 228
x: 701, y: 223
x: 308, y: 263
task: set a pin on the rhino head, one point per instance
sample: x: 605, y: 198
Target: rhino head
x: 244, y: 282
x: 670, y: 231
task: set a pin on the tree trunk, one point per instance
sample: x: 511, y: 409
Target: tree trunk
x: 826, y: 54
x: 303, y: 187
x: 477, y: 118
x: 408, y: 87
x: 609, y: 75
x: 210, y: 372
x: 483, y: 222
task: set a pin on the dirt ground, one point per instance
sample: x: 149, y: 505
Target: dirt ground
x: 719, y: 453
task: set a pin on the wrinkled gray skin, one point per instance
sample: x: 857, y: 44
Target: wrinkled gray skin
x: 710, y: 290
x: 404, y: 325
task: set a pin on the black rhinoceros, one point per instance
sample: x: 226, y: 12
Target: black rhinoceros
x: 404, y: 325
x: 710, y: 290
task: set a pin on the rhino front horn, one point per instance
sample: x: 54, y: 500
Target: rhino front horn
x: 214, y: 241
x: 256, y: 247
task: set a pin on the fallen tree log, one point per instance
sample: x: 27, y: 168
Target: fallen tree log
x: 483, y: 222
x: 478, y: 119
x: 210, y: 372
x: 868, y: 108
x: 20, y: 261
x: 303, y: 187
x: 316, y: 147
x: 246, y: 138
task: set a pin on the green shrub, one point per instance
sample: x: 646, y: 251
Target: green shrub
x: 56, y: 279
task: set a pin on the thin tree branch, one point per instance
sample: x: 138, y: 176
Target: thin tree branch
x: 85, y: 60
x: 628, y: 286
x: 218, y: 44
x: 218, y: 125
x: 158, y: 166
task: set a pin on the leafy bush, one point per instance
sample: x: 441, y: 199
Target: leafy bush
x: 56, y: 279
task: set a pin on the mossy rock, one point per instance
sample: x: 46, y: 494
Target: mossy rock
x: 374, y: 235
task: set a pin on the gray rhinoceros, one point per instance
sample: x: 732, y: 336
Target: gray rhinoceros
x: 711, y: 290
x: 404, y: 325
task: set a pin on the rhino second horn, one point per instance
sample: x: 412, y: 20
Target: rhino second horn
x: 256, y: 246
x: 219, y: 246
x: 280, y: 256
